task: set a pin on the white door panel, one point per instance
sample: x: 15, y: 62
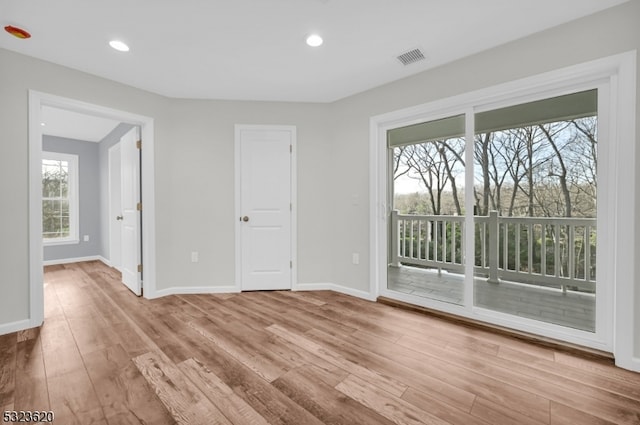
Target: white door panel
x: 265, y: 204
x: 115, y: 208
x: 130, y: 192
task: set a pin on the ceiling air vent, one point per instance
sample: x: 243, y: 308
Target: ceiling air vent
x: 411, y: 56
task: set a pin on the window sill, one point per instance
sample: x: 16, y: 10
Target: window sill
x: 60, y: 242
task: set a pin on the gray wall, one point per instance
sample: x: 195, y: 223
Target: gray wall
x: 88, y: 195
x: 194, y: 156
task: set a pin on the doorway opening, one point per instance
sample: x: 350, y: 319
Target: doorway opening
x: 37, y: 101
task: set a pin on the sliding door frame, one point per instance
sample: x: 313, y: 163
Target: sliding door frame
x: 614, y: 77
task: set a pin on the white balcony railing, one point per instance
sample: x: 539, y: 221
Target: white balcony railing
x: 556, y: 252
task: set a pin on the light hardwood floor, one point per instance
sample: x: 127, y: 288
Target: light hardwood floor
x: 104, y: 356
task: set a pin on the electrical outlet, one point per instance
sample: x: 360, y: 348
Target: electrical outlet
x: 194, y: 257
x: 86, y: 238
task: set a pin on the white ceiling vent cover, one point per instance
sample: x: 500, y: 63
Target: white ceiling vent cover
x: 411, y: 56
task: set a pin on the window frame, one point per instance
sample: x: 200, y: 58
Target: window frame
x: 73, y: 197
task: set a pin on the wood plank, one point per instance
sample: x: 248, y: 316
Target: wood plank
x: 91, y: 334
x: 393, y: 365
x: 56, y: 334
x: 444, y: 411
x: 306, y: 387
x: 234, y: 407
x: 565, y: 415
x: 623, y: 386
x: 245, y: 349
x: 8, y: 349
x: 304, y: 296
x: 495, y: 413
x: 31, y: 384
x: 73, y: 399
x: 557, y: 385
x: 445, y: 366
x: 381, y: 381
x: 387, y: 405
x: 124, y: 394
x: 274, y: 406
x: 294, y: 311
x: 186, y: 403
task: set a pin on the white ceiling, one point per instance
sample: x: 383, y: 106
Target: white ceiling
x: 74, y: 125
x: 255, y: 50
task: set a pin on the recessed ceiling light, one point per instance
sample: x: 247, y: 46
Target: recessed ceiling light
x: 314, y: 40
x: 42, y: 124
x: 119, y: 45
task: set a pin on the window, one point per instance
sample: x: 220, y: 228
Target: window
x: 59, y: 198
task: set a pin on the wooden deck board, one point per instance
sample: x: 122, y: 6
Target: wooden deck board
x: 571, y: 309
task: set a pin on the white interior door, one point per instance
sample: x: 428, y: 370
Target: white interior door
x: 131, y: 214
x: 115, y: 207
x: 265, y: 204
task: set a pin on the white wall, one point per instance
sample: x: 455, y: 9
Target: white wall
x: 18, y: 74
x: 194, y: 156
x: 195, y: 175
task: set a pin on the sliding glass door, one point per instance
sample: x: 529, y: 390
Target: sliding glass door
x: 522, y: 178
x: 535, y: 221
x: 427, y: 218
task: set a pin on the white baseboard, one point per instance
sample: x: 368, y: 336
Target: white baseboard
x: 73, y: 260
x: 231, y: 289
x: 190, y: 290
x: 337, y: 288
x: 632, y: 364
x: 20, y: 325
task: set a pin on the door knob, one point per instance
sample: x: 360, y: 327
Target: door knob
x: 245, y: 218
x: 119, y: 217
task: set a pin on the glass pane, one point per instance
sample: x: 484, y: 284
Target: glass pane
x: 64, y: 179
x: 427, y: 222
x: 535, y: 216
x: 51, y: 218
x: 50, y: 179
x: 64, y: 208
x: 64, y: 226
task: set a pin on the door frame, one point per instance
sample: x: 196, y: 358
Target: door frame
x: 619, y: 72
x: 36, y: 101
x: 111, y: 154
x: 294, y: 201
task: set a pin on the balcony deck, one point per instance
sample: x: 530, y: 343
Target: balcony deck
x: 572, y: 309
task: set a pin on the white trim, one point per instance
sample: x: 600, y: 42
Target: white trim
x: 232, y: 289
x: 20, y: 325
x: 36, y: 101
x: 191, y: 290
x: 625, y: 321
x: 294, y: 198
x: 619, y: 72
x: 57, y: 242
x: 336, y: 288
x: 73, y: 260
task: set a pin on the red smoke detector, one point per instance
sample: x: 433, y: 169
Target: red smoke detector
x: 17, y: 32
